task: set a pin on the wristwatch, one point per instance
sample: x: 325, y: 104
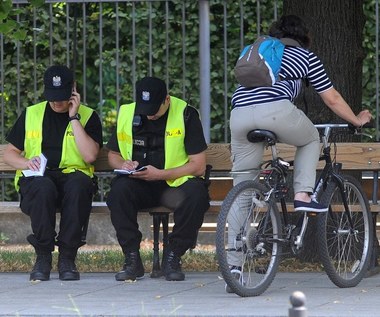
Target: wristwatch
x: 75, y: 117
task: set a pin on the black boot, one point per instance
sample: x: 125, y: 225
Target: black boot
x: 66, y: 264
x: 67, y: 270
x: 42, y: 268
x: 172, y: 267
x: 132, y: 269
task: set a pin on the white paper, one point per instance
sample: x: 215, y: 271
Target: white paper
x: 129, y: 172
x: 41, y: 171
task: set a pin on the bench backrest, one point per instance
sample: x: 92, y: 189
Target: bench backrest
x: 354, y: 156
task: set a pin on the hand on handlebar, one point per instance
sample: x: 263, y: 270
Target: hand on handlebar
x: 364, y: 117
x: 359, y: 130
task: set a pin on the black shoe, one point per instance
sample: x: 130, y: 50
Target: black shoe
x: 312, y: 206
x: 133, y: 269
x: 42, y: 268
x: 172, y: 267
x: 67, y: 270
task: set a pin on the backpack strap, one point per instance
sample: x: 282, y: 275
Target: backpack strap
x: 290, y: 42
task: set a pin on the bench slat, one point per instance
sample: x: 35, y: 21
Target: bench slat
x: 353, y: 156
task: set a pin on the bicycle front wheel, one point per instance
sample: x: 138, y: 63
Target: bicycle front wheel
x: 345, y: 248
x: 247, y: 239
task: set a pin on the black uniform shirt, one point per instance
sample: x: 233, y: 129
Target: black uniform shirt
x: 148, y: 138
x: 53, y: 130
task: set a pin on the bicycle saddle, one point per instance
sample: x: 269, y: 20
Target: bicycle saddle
x: 259, y: 135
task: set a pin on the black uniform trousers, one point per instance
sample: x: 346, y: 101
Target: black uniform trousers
x: 190, y: 201
x: 40, y: 198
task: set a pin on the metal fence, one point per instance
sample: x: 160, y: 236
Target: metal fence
x: 72, y: 23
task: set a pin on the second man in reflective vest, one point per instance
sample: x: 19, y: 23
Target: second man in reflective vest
x: 164, y: 135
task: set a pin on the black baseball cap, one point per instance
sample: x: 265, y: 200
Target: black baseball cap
x: 150, y: 94
x: 58, y: 82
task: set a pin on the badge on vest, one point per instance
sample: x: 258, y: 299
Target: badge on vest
x: 173, y: 132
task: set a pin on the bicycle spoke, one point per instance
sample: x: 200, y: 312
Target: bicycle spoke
x: 246, y: 229
x: 345, y: 236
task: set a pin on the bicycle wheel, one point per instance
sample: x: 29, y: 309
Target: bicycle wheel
x: 345, y: 250
x: 246, y: 229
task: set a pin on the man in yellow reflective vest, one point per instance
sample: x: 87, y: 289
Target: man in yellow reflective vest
x: 164, y: 135
x: 69, y: 135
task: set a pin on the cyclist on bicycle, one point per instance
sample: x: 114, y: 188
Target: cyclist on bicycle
x: 272, y: 108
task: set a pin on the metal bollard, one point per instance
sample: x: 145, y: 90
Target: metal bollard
x: 298, y: 301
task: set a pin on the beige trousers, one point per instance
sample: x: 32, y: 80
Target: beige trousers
x: 290, y: 125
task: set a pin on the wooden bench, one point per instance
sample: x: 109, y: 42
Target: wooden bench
x: 218, y: 155
x: 362, y: 157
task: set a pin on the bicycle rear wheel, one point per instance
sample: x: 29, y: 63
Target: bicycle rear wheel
x: 345, y: 250
x: 246, y: 229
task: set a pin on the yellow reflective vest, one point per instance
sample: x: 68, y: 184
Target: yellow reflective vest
x: 175, y: 154
x: 71, y: 159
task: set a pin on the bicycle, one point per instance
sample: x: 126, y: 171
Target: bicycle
x: 251, y: 228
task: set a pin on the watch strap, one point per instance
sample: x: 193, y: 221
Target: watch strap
x: 75, y: 117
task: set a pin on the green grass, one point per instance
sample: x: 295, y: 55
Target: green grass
x: 110, y: 259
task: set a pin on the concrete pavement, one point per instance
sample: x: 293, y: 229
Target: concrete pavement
x: 201, y: 294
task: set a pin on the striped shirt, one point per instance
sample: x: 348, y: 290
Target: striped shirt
x: 296, y: 62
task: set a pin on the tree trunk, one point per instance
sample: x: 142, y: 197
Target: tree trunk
x: 336, y: 29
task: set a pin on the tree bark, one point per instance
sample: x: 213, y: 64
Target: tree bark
x: 336, y: 29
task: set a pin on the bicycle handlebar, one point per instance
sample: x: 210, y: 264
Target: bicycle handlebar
x: 354, y: 130
x: 350, y: 126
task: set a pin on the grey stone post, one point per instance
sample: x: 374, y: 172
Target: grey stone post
x: 298, y: 301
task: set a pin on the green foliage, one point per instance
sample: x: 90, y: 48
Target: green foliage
x: 9, y: 24
x: 369, y: 71
x: 5, y: 9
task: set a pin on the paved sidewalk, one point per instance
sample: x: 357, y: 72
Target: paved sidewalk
x: 201, y: 294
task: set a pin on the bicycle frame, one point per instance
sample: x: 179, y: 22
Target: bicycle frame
x: 331, y: 170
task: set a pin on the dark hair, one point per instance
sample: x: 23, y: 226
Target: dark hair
x: 293, y: 27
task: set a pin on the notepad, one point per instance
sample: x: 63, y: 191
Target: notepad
x: 129, y: 172
x: 40, y: 172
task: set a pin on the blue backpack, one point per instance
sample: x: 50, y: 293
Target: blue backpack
x: 259, y: 63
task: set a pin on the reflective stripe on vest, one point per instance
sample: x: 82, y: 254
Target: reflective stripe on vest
x: 71, y: 159
x: 175, y: 154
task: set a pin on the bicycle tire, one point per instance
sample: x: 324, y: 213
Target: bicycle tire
x: 345, y: 254
x: 259, y: 257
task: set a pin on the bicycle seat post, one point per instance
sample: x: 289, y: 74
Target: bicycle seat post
x: 273, y: 149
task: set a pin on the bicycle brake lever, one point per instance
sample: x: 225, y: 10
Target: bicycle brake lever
x: 363, y: 133
x: 283, y: 163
